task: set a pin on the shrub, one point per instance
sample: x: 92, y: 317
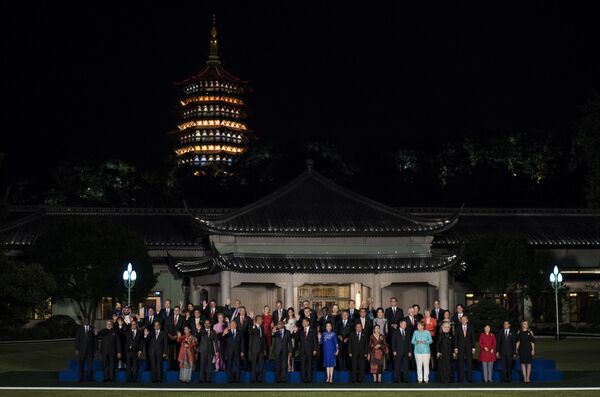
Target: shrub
x: 488, y: 312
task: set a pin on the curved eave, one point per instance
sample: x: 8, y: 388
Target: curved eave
x: 220, y: 72
x: 333, y: 265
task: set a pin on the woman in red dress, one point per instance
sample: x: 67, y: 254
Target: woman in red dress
x: 267, y: 324
x: 187, y: 354
x: 487, y: 352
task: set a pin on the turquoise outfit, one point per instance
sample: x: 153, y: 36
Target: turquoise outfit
x: 422, y: 348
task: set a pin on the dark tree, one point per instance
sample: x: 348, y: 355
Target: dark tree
x: 22, y: 287
x: 87, y: 258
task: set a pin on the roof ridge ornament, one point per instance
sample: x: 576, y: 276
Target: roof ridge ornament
x: 310, y: 163
x: 213, y: 51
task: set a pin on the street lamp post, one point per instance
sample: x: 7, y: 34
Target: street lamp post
x: 556, y: 279
x: 129, y: 277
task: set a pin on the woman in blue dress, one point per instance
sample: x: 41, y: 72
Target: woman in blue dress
x: 330, y: 350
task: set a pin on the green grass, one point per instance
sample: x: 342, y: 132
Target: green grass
x: 571, y: 354
x: 421, y: 393
x: 35, y: 356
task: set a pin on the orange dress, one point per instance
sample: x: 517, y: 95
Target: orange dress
x: 431, y: 326
x: 187, y: 352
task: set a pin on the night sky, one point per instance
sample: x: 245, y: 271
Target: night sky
x: 93, y: 80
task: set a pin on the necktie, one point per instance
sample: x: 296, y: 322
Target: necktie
x: 157, y: 332
x: 305, y: 333
x: 259, y: 332
x: 506, y: 333
x: 359, y: 336
x: 402, y: 333
x: 86, y: 329
x: 281, y: 333
x: 394, y: 311
x: 344, y: 323
x: 465, y: 330
x: 412, y: 320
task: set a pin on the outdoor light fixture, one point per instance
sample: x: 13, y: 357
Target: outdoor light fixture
x: 556, y: 280
x: 129, y: 277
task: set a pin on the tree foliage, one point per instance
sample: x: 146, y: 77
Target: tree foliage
x: 87, y: 258
x: 487, y: 312
x: 22, y: 287
x: 587, y: 150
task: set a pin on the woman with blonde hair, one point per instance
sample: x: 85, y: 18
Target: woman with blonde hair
x: 525, y: 350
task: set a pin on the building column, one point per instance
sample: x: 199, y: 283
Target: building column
x: 225, y: 284
x: 289, y: 293
x: 194, y: 293
x: 376, y: 290
x: 443, y: 291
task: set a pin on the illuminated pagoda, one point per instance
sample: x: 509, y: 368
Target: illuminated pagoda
x: 211, y: 114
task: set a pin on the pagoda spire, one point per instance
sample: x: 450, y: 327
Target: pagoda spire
x: 213, y: 52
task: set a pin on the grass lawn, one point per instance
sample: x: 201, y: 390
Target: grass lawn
x: 37, y: 364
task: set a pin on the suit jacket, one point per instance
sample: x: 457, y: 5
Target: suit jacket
x: 257, y: 343
x: 195, y: 329
x: 173, y: 327
x: 234, y: 346
x: 157, y: 346
x: 439, y: 316
x: 342, y: 330
x: 149, y: 323
x: 281, y: 345
x: 162, y: 315
x: 367, y: 328
x: 401, y: 345
x: 206, y: 342
x: 409, y: 326
x: 110, y: 341
x: 134, y: 344
x: 307, y: 343
x: 358, y: 348
x: 209, y: 315
x: 506, y: 345
x: 276, y: 318
x: 85, y: 343
x: 354, y: 315
x: 393, y: 319
x: 324, y: 320
x: 464, y: 343
x: 455, y: 320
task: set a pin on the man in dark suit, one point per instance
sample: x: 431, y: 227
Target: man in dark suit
x: 196, y: 323
x: 172, y: 326
x: 411, y: 321
x: 352, y: 311
x: 158, y: 347
x: 344, y: 327
x: 148, y: 321
x: 206, y: 351
x: 235, y: 310
x: 280, y: 313
x: 211, y: 311
x: 133, y: 350
x: 257, y: 350
x: 165, y: 313
x: 457, y: 316
x: 505, y: 351
x: 401, y: 351
x: 393, y: 314
x: 464, y: 347
x: 306, y: 338
x: 281, y: 350
x: 85, y: 349
x: 417, y: 312
x: 110, y: 350
x: 306, y: 311
x: 234, y: 351
x: 358, y: 345
x: 244, y: 323
x: 324, y: 319
x: 437, y: 312
x: 365, y: 322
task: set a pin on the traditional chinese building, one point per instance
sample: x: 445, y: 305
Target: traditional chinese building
x: 316, y: 240
x: 211, y: 113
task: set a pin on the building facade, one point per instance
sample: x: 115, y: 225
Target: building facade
x: 315, y: 240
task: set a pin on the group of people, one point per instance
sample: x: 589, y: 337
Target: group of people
x: 365, y: 340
